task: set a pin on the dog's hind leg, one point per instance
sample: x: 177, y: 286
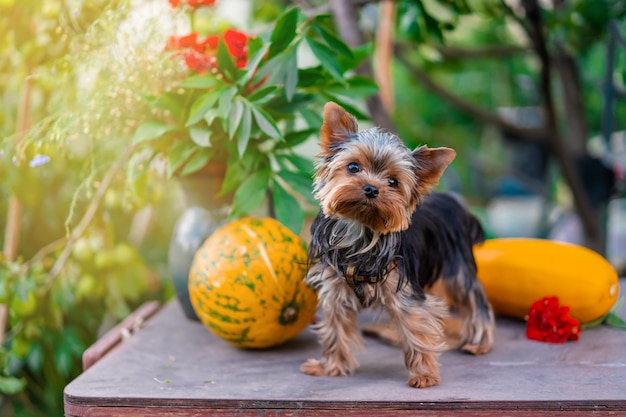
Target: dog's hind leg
x: 471, y: 316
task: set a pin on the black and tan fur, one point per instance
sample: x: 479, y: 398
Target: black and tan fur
x: 376, y: 208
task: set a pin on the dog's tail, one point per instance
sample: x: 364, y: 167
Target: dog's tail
x: 475, y: 229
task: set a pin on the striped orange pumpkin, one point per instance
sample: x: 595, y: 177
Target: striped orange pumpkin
x: 246, y: 283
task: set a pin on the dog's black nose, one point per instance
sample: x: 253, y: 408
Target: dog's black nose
x: 370, y: 191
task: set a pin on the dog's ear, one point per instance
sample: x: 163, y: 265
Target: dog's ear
x: 337, y: 127
x: 431, y: 162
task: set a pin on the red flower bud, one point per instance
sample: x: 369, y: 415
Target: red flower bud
x: 184, y: 42
x: 549, y: 322
x: 210, y: 43
x: 201, y: 55
x: 200, y: 3
x: 192, y: 3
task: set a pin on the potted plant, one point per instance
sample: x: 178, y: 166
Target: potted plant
x: 244, y: 102
x: 229, y: 128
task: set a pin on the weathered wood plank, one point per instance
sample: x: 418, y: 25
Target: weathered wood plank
x: 73, y: 411
x: 116, y: 335
x: 174, y: 366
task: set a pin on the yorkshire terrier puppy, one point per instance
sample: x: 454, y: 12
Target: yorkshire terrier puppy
x: 380, y: 239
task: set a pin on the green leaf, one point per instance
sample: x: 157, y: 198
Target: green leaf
x: 244, y: 130
x: 432, y: 25
x: 259, y: 95
x: 250, y: 193
x: 200, y: 81
x: 35, y: 358
x: 284, y: 31
x: 265, y: 123
x: 255, y: 44
x: 327, y: 59
x: 312, y: 118
x: 287, y: 208
x: 211, y: 115
x: 226, y: 102
x: 356, y: 88
x: 348, y: 106
x: 225, y: 62
x: 594, y: 323
x: 197, y: 161
x: 274, y: 70
x: 150, y: 131
x: 441, y: 12
x: 234, y: 119
x: 137, y: 165
x: 291, y: 80
x: 168, y: 101
x: 72, y: 342
x: 253, y: 64
x: 200, y: 136
x: 202, y: 105
x: 610, y: 319
x: 304, y: 165
x: 312, y: 77
x: 333, y: 42
x: 359, y: 54
x: 236, y: 172
x: 301, y: 184
x: 178, y: 155
x: 10, y: 385
x: 63, y: 360
x: 613, y: 320
x: 295, y: 138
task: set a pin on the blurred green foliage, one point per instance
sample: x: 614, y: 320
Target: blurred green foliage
x: 439, y: 32
x: 89, y: 79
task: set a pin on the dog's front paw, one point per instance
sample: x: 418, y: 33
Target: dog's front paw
x: 316, y: 368
x: 476, y: 349
x: 312, y: 367
x: 423, y: 381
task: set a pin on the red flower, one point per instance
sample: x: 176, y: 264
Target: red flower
x: 210, y: 43
x: 237, y: 43
x: 192, y: 3
x: 201, y: 55
x: 199, y: 62
x: 549, y: 322
x: 200, y: 3
x: 185, y: 42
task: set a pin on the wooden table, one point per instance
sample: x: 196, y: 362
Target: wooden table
x: 175, y: 367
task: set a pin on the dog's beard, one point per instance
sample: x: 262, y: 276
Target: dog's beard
x: 345, y: 243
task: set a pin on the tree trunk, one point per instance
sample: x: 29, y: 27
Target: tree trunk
x: 346, y: 17
x: 562, y: 151
x: 575, y: 118
x: 14, y: 210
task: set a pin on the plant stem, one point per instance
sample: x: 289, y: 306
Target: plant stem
x: 12, y: 231
x: 87, y: 217
x: 384, y: 53
x: 43, y: 252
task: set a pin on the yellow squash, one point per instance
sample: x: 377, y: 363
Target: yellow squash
x: 517, y: 272
x: 246, y: 283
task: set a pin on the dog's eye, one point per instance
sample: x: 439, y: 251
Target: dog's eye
x: 353, y: 168
x: 393, y: 183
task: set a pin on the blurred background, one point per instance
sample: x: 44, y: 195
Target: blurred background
x: 95, y: 95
